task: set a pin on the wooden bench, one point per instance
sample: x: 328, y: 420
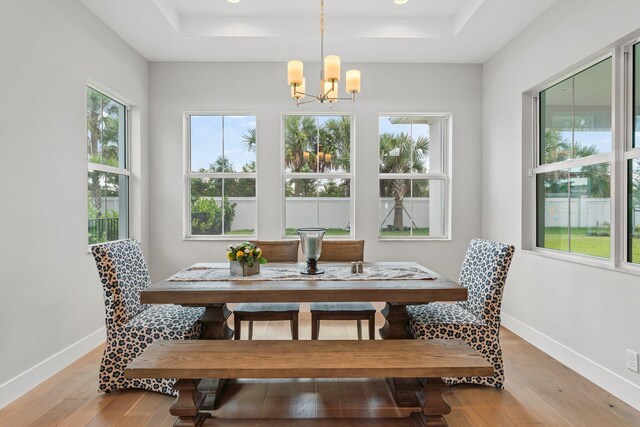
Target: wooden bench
x: 191, y: 361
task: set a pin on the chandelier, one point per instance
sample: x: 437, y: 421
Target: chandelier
x: 329, y: 76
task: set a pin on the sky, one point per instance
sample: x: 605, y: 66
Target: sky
x: 207, y: 134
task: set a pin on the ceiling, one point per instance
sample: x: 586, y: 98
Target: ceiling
x: 457, y: 31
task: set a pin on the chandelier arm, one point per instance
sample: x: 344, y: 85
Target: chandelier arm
x: 308, y: 101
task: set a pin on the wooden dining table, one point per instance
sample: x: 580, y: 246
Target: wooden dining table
x: 214, y: 295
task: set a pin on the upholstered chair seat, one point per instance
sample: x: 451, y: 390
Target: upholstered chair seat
x: 132, y: 326
x: 476, y: 320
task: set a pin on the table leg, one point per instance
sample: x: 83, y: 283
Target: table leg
x: 187, y: 404
x: 215, y: 325
x: 396, y: 326
x: 433, y: 404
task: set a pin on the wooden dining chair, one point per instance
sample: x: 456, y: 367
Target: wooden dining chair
x: 273, y: 251
x: 343, y: 250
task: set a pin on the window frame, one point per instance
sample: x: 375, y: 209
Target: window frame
x: 126, y: 171
x: 445, y: 177
x: 351, y: 175
x: 628, y: 151
x: 621, y: 151
x: 188, y: 175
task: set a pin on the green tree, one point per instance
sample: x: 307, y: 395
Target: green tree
x: 249, y: 140
x: 557, y: 149
x: 335, y: 139
x: 103, y: 131
x: 300, y: 136
x: 400, y: 154
x: 206, y: 216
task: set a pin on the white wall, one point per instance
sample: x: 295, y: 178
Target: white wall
x: 586, y: 317
x: 261, y: 88
x: 51, y: 306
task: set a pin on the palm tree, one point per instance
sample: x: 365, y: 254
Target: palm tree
x: 300, y: 136
x: 400, y: 154
x: 335, y: 140
x: 249, y: 140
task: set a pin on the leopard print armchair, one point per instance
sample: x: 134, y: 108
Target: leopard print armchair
x: 476, y: 320
x: 132, y: 326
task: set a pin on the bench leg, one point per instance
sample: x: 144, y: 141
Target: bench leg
x: 237, y: 326
x: 359, y: 322
x: 372, y: 327
x: 294, y: 326
x: 433, y: 404
x: 250, y: 329
x: 315, y: 327
x: 187, y: 404
x: 396, y: 326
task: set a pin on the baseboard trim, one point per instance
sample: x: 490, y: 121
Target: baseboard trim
x: 618, y: 386
x: 27, y: 380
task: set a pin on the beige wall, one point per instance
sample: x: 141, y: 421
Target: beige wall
x: 584, y: 316
x: 261, y: 88
x: 51, y: 307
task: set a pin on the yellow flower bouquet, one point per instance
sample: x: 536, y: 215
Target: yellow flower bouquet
x: 245, y: 259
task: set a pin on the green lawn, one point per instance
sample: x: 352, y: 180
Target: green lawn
x: 330, y: 232
x: 558, y: 238
x: 239, y: 232
x: 420, y: 232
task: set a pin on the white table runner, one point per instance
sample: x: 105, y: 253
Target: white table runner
x: 212, y: 272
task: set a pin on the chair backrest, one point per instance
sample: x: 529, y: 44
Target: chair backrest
x: 123, y: 273
x: 484, y: 273
x: 342, y: 250
x: 279, y: 250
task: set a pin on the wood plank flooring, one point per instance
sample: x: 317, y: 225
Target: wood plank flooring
x: 539, y: 391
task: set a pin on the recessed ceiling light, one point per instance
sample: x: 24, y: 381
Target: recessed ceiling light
x: 397, y: 1
x: 238, y: 1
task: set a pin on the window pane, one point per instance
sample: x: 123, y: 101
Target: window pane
x: 556, y: 122
x: 334, y: 206
x: 396, y: 145
x: 591, y: 210
x: 421, y: 136
x: 206, y: 206
x: 574, y: 210
x: 106, y: 130
x: 553, y: 210
x: 592, y: 110
x: 575, y: 115
x: 427, y: 208
x: 240, y: 143
x: 108, y: 196
x: 334, y: 152
x: 301, y: 204
x: 300, y: 143
x: 636, y: 95
x: 634, y: 211
x: 240, y: 206
x: 395, y: 204
x: 206, y: 144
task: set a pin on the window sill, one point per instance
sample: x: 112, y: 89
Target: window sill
x: 587, y: 260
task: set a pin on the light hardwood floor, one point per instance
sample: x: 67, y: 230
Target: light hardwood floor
x: 539, y: 391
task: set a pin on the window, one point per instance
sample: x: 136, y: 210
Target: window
x: 633, y: 165
x: 108, y: 169
x: 317, y: 173
x: 573, y: 177
x: 413, y: 176
x: 221, y: 176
